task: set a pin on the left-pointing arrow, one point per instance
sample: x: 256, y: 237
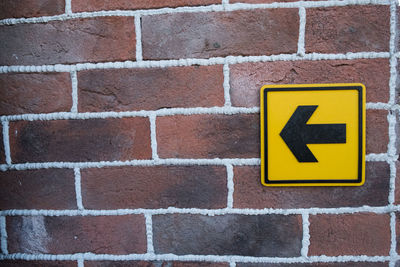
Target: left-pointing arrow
x: 297, y: 133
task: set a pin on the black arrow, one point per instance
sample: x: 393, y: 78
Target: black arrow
x: 297, y: 133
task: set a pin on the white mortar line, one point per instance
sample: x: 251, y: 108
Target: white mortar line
x: 78, y: 188
x: 207, y: 258
x: 158, y: 162
x: 3, y: 230
x: 153, y: 136
x: 305, y: 243
x: 100, y: 164
x: 226, y: 85
x: 147, y: 113
x: 149, y: 233
x: 379, y: 105
x: 232, y: 264
x: 140, y: 113
x: 81, y: 263
x: 230, y: 185
x: 302, y: 29
x: 393, y: 253
x: 6, y: 141
x: 138, y: 32
x: 68, y: 9
x: 186, y: 9
x: 190, y: 62
x: 392, y: 80
x: 225, y: 2
x: 74, y: 83
x: 209, y: 212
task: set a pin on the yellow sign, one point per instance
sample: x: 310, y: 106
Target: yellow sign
x: 313, y: 134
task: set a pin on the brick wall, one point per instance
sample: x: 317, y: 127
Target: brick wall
x: 130, y: 133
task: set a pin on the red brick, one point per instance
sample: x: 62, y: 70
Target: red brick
x: 93, y: 5
x: 212, y: 34
x: 80, y: 140
x: 315, y: 264
x: 37, y: 8
x: 2, y: 153
x: 150, y: 89
x: 248, y: 78
x: 350, y: 234
x: 249, y: 193
x: 35, y: 93
x: 261, y: 235
x: 62, y: 235
x: 71, y: 41
x: 348, y: 29
x: 209, y: 136
x: 37, y: 189
x: 377, y: 131
x: 154, y: 187
x: 153, y: 264
x: 22, y: 263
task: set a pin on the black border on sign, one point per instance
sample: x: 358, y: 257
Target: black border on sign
x: 360, y: 133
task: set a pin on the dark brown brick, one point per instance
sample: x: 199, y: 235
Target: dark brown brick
x: 154, y: 187
x: 350, y: 234
x: 93, y: 5
x: 262, y: 235
x: 22, y: 263
x: 150, y: 89
x: 80, y: 140
x: 208, y: 136
x: 153, y: 264
x: 315, y: 264
x: 2, y: 153
x: 37, y: 8
x: 66, y: 234
x: 377, y: 131
x: 35, y: 93
x: 212, y: 34
x: 246, y: 79
x: 37, y: 189
x: 348, y: 29
x: 249, y: 193
x: 71, y: 41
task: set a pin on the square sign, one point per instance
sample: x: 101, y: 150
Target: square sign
x: 313, y: 135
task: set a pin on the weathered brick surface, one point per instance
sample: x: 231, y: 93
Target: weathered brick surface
x: 153, y: 264
x: 71, y: 41
x: 377, y: 131
x: 347, y: 29
x: 35, y: 93
x: 37, y: 189
x: 154, y: 187
x: 150, y: 89
x: 22, y: 263
x: 350, y: 234
x: 80, y: 140
x: 201, y: 35
x: 208, y: 136
x: 316, y: 264
x: 98, y: 234
x: 246, y: 79
x: 249, y: 193
x: 397, y: 188
x: 37, y: 8
x: 93, y: 5
x: 263, y: 235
